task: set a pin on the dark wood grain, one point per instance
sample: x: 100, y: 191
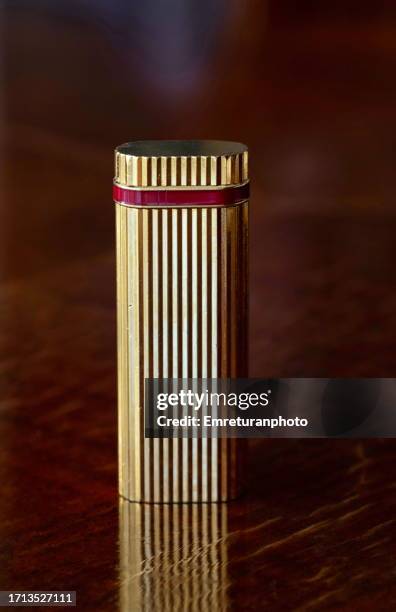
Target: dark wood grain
x: 312, y: 92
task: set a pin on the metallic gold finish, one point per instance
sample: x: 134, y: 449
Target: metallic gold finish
x: 173, y: 557
x: 213, y: 164
x: 182, y: 313
x: 182, y: 310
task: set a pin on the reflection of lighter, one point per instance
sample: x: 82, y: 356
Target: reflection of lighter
x: 182, y: 223
x: 173, y: 557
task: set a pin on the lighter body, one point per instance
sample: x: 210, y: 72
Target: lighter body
x: 182, y: 305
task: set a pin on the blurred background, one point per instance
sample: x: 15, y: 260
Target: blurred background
x: 309, y: 87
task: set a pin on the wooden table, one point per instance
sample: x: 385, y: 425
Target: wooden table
x: 313, y: 95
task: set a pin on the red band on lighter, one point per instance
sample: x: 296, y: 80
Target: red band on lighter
x: 181, y: 197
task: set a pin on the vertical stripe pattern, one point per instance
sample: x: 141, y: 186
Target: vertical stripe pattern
x: 173, y: 557
x: 182, y: 313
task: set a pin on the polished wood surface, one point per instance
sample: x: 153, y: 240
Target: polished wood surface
x: 312, y: 92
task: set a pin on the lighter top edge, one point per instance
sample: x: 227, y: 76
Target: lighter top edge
x: 164, y: 164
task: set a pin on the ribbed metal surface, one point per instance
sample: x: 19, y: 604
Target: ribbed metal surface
x: 148, y: 171
x: 182, y: 313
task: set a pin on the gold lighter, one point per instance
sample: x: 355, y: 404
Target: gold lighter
x: 182, y: 304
